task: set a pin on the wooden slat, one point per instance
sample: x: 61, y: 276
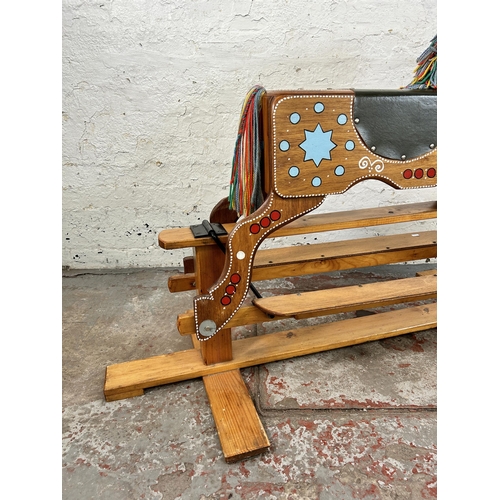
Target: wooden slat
x: 350, y: 298
x: 325, y: 302
x: 327, y: 257
x: 240, y: 430
x: 123, y: 378
x: 183, y: 238
x: 247, y: 315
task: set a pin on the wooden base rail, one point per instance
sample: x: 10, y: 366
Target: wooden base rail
x: 218, y: 360
x: 135, y: 376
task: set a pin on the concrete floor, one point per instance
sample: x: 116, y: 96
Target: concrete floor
x: 354, y: 423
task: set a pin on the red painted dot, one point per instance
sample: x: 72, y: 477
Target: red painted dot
x: 265, y: 222
x: 254, y: 228
x: 230, y: 289
x: 431, y: 173
x: 225, y: 301
x: 419, y: 173
x: 408, y: 173
x: 235, y: 278
x: 275, y: 215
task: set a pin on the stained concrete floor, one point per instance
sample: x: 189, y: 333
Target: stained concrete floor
x: 353, y: 423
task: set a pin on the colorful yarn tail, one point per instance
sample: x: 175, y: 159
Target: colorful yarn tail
x: 426, y: 71
x: 245, y: 191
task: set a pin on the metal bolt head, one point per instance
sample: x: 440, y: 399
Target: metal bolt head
x: 207, y: 328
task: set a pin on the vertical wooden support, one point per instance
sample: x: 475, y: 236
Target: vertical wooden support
x: 209, y: 262
x: 240, y: 430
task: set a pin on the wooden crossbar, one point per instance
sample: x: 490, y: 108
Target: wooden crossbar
x: 327, y: 257
x: 326, y: 302
x: 350, y: 298
x: 176, y: 238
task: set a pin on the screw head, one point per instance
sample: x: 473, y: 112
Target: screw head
x: 207, y: 328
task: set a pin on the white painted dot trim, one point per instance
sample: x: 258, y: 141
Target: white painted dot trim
x: 245, y: 222
x: 359, y: 142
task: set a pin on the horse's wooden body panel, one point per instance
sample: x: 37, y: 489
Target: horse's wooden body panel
x: 312, y: 149
x: 315, y: 149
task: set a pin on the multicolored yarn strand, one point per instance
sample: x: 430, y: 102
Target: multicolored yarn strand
x: 426, y: 71
x: 245, y: 191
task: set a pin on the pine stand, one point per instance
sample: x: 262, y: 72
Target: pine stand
x: 219, y: 360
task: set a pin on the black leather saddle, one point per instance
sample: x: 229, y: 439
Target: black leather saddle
x: 397, y: 124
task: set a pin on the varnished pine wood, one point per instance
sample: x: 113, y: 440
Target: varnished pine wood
x: 350, y: 298
x: 240, y: 430
x: 246, y: 315
x: 334, y: 256
x: 222, y: 214
x: 141, y: 374
x: 189, y: 264
x: 176, y: 238
x: 209, y: 262
x: 326, y: 302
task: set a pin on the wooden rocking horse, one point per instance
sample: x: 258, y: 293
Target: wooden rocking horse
x: 294, y: 148
x: 314, y: 144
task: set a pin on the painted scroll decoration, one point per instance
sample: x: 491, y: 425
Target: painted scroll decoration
x: 318, y: 151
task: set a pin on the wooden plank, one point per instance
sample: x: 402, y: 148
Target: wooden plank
x: 246, y: 315
x: 170, y: 239
x: 350, y: 298
x: 240, y: 430
x: 333, y: 256
x: 185, y: 365
x: 325, y: 302
x: 209, y: 262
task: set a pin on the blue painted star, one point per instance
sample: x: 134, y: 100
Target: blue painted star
x: 317, y: 145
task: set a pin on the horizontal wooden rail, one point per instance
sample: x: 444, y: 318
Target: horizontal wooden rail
x: 325, y: 302
x: 327, y: 257
x: 350, y: 298
x: 170, y: 239
x: 132, y: 377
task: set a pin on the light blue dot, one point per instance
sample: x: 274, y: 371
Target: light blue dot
x: 339, y: 170
x: 349, y: 145
x: 293, y: 172
x: 294, y: 118
x: 316, y: 181
x: 319, y: 107
x: 284, y: 145
x: 342, y: 119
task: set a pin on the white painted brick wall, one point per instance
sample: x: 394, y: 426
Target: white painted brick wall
x: 152, y: 92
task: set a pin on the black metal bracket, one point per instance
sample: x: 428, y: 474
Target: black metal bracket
x: 203, y: 230
x: 214, y: 230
